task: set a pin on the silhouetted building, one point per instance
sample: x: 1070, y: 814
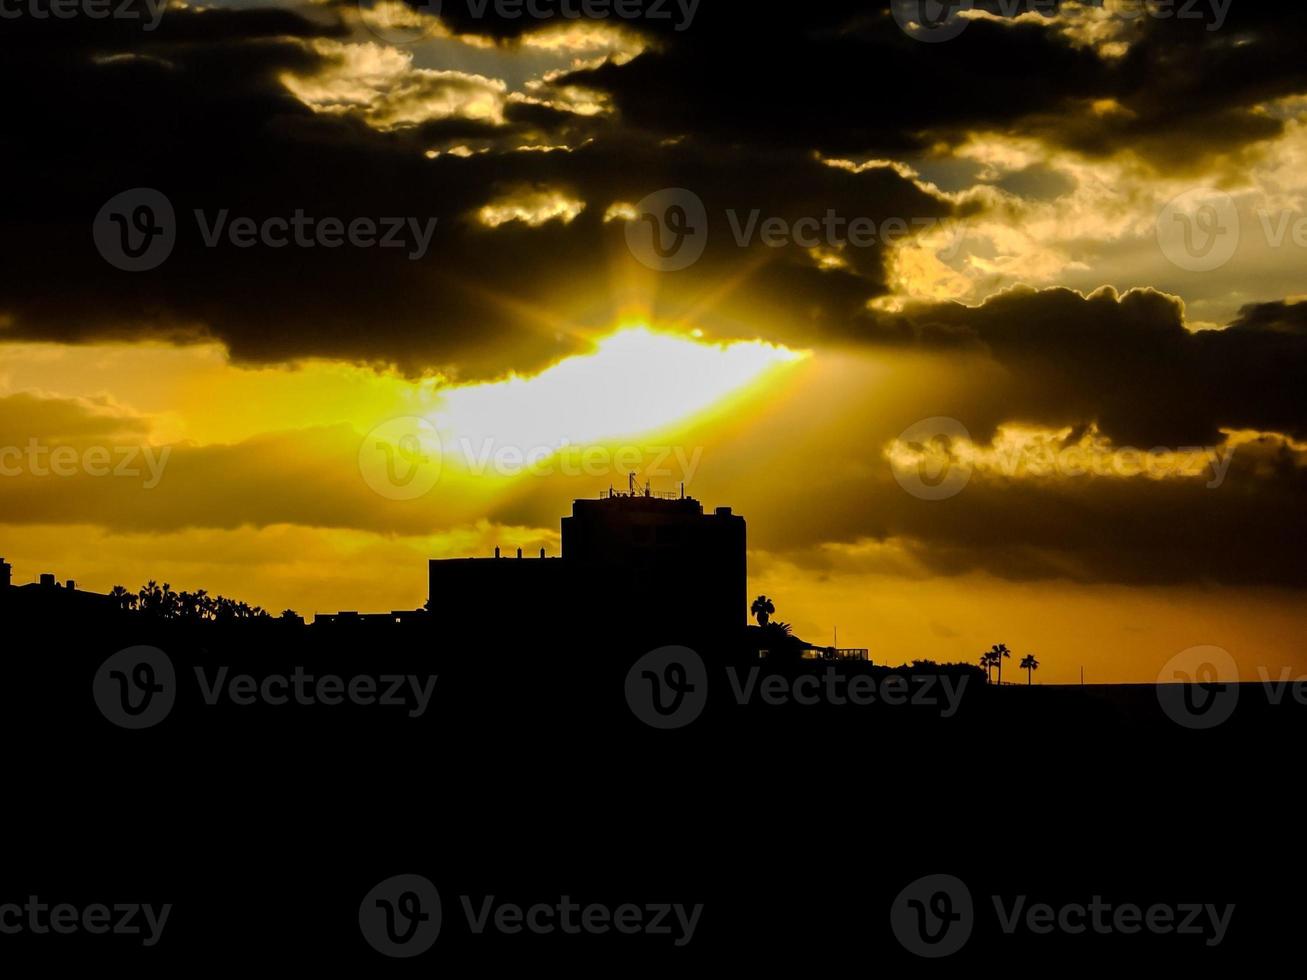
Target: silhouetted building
x: 649, y: 564
x: 47, y: 597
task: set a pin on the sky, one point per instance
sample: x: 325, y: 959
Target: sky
x: 992, y: 327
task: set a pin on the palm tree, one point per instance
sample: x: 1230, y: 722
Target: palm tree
x: 123, y: 598
x: 188, y: 606
x: 996, y: 653
x: 150, y: 599
x: 1029, y: 664
x: 987, y: 661
x: 762, y: 608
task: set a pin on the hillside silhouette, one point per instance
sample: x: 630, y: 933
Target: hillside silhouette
x: 544, y: 708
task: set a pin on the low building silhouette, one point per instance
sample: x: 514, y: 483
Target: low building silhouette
x: 48, y: 597
x: 641, y: 567
x: 652, y: 565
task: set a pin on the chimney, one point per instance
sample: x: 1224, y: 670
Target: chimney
x: 47, y: 580
x: 542, y: 552
x: 496, y: 551
x: 70, y: 585
x: 519, y: 552
x: 6, y: 574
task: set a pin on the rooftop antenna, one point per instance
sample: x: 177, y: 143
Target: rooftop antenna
x: 646, y: 488
x: 682, y: 489
x: 630, y: 484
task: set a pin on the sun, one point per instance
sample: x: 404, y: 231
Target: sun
x: 637, y: 381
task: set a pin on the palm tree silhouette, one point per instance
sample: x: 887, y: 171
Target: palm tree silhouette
x: 987, y: 661
x: 762, y: 608
x: 996, y: 653
x: 1028, y: 664
x: 123, y: 598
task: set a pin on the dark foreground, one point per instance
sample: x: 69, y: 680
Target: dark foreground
x: 558, y: 827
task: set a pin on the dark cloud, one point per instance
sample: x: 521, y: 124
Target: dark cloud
x: 1138, y: 531
x: 1285, y: 318
x: 207, y: 121
x: 1127, y: 363
x: 734, y: 108
x: 847, y: 80
x: 843, y: 79
x: 737, y: 109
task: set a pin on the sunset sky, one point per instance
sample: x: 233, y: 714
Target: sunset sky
x: 1084, y: 250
